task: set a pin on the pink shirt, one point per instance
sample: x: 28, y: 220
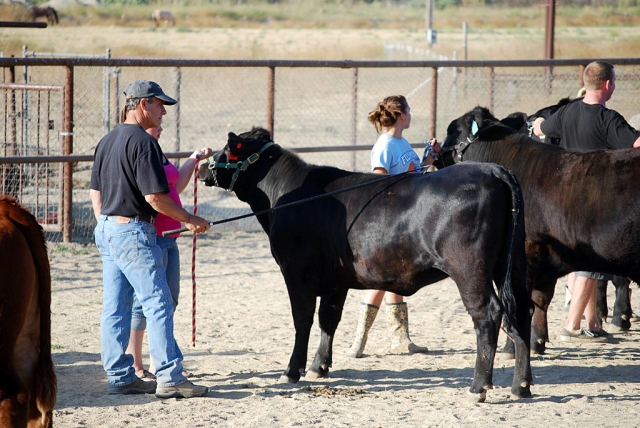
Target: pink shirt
x: 163, y: 222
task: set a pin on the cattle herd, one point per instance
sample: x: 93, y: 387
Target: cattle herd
x: 499, y: 219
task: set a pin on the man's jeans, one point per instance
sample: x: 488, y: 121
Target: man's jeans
x: 171, y: 263
x: 132, y: 261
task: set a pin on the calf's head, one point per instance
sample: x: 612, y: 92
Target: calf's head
x: 477, y: 125
x: 229, y: 165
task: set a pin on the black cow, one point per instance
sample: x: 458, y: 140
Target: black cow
x: 524, y: 123
x: 622, y: 312
x: 396, y: 233
x: 582, y: 209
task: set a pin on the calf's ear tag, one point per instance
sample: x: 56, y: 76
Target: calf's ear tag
x: 474, y: 128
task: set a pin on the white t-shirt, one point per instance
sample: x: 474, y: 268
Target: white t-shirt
x: 393, y: 154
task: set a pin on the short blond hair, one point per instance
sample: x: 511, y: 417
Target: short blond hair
x: 596, y: 73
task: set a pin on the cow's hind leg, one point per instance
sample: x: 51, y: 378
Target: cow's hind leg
x: 303, y: 306
x: 602, y: 309
x: 541, y: 294
x: 622, y: 306
x: 483, y: 305
x: 329, y: 316
x: 539, y: 326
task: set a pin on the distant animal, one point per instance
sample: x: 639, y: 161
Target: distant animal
x: 163, y: 17
x: 397, y: 233
x: 43, y: 11
x: 582, y: 209
x: 27, y: 379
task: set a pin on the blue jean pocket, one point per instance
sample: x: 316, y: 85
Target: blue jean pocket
x: 124, y: 246
x: 99, y: 237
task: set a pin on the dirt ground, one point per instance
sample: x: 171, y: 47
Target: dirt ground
x: 245, y: 335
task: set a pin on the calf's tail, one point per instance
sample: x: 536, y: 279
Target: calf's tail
x: 513, y: 251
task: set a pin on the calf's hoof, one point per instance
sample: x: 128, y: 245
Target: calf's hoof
x: 479, y: 397
x: 521, y: 391
x: 316, y: 374
x: 618, y: 324
x: 288, y: 379
x: 612, y: 328
x: 538, y: 347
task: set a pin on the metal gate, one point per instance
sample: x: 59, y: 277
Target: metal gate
x: 32, y: 126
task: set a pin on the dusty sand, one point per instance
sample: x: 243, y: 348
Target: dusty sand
x: 245, y: 336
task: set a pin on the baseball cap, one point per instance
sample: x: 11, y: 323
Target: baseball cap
x: 146, y: 89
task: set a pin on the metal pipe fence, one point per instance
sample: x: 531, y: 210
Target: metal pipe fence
x: 318, y: 108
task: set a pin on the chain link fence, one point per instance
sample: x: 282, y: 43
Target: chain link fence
x: 312, y: 105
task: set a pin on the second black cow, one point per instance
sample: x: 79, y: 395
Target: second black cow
x: 582, y: 209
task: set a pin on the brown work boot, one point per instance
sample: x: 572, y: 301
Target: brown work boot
x: 365, y: 320
x: 183, y: 390
x: 398, y: 326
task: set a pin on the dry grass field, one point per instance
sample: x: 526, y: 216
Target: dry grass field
x: 310, y: 31
x: 287, y: 43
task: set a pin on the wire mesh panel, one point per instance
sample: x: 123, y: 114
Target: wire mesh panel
x: 311, y: 106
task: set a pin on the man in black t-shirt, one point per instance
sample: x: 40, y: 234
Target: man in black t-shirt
x: 587, y: 125
x: 128, y: 188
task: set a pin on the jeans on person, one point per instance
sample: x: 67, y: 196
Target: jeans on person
x: 171, y: 263
x: 132, y: 263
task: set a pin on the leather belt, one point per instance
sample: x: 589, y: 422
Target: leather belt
x: 125, y: 220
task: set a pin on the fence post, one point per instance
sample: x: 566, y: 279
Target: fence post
x: 490, y: 89
x: 116, y: 96
x: 106, y: 94
x: 8, y: 170
x: 177, y: 83
x: 271, y: 89
x: 434, y: 102
x: 12, y: 113
x: 354, y: 117
x: 25, y: 115
x: 67, y: 213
